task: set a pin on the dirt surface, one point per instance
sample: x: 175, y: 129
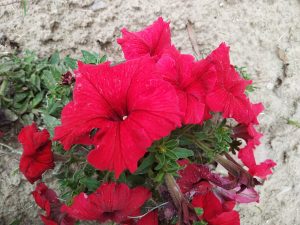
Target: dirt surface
x: 264, y: 36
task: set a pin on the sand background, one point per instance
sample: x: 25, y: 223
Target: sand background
x: 264, y: 36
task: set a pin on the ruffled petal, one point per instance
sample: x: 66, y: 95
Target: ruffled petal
x: 150, y: 41
x: 226, y: 218
x: 82, y: 208
x: 150, y: 219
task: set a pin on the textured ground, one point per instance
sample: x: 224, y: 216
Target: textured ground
x: 264, y: 36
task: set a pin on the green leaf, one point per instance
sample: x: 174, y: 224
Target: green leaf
x: 160, y: 176
x: 199, y: 211
x: 170, y: 154
x: 48, y: 79
x: 183, y: 153
x: 88, y: 57
x: 70, y: 62
x: 16, y: 222
x: 171, y: 143
x: 50, y: 122
x: 161, y: 161
x: 55, y: 58
x: 37, y: 99
x: 20, y: 96
x: 103, y: 59
x: 146, y: 164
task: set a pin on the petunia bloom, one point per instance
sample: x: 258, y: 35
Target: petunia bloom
x: 214, y: 211
x: 228, y: 95
x: 197, y: 179
x: 37, y: 156
x: 47, y: 200
x: 262, y: 170
x: 129, y: 104
x: 150, y: 41
x: 192, y: 81
x: 111, y: 201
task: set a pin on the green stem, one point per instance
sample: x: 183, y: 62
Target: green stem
x: 198, y: 143
x: 186, y: 129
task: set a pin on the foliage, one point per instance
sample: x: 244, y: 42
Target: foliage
x: 31, y: 87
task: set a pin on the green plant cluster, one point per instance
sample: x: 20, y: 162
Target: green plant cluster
x: 31, y: 87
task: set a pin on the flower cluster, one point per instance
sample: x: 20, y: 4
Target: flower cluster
x: 152, y: 125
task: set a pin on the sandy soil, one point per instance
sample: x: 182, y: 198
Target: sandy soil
x: 264, y: 36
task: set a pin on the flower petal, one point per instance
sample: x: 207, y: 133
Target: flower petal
x: 150, y: 41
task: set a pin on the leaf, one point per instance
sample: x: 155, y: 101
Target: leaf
x: 6, y: 67
x: 172, y: 143
x: 183, y: 153
x: 199, y: 211
x: 91, y: 183
x: 55, y: 58
x: 20, y: 96
x: 37, y: 99
x: 24, y: 106
x: 146, y: 163
x: 88, y: 57
x: 172, y: 167
x: 160, y: 176
x: 50, y: 122
x: 16, y: 222
x: 170, y: 154
x: 10, y: 115
x: 48, y: 79
x: 103, y: 59
x: 70, y: 62
x: 161, y: 161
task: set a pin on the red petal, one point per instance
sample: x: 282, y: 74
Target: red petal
x: 150, y: 41
x: 226, y: 218
x: 247, y: 157
x: 150, y: 219
x: 83, y: 208
x: 263, y: 169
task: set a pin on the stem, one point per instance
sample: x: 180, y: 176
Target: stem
x: 198, y: 143
x: 174, y: 190
x: 141, y: 216
x: 185, y: 130
x: 61, y: 158
x: 12, y: 150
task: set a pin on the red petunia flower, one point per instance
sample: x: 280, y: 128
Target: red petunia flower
x: 214, y: 211
x: 228, y: 95
x: 197, y: 179
x: 129, y: 104
x: 111, y: 201
x: 150, y: 41
x: 47, y: 199
x: 192, y: 80
x: 37, y: 156
x: 262, y: 170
